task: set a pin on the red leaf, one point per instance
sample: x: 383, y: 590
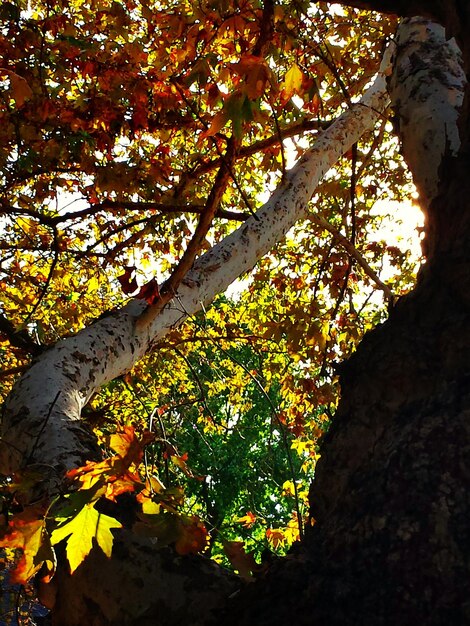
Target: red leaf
x: 128, y: 281
x: 150, y: 292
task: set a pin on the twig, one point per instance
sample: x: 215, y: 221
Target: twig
x: 354, y: 253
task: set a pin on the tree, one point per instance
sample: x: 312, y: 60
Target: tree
x: 389, y: 497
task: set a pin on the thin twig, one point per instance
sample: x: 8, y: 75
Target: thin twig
x: 353, y: 252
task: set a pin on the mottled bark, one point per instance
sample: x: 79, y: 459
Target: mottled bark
x: 142, y: 585
x: 427, y: 84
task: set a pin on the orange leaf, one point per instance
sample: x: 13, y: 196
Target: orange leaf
x: 20, y: 90
x: 28, y: 534
x: 150, y: 292
x: 218, y: 122
x: 247, y: 520
x: 192, y: 536
x: 276, y: 537
x: 256, y: 72
x: 244, y: 563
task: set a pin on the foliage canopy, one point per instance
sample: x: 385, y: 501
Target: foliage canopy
x: 134, y: 135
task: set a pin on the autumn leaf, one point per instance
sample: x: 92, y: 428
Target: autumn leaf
x: 247, y: 520
x: 113, y: 476
x: 244, y: 563
x: 218, y: 122
x: 128, y: 281
x: 276, y: 537
x: 256, y: 74
x: 27, y: 533
x: 192, y: 535
x: 89, y: 524
x: 126, y: 444
x: 20, y: 90
x: 150, y: 292
x: 292, y: 83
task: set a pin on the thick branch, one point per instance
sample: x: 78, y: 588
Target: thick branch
x: 42, y: 418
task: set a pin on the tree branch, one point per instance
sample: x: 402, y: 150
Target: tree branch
x: 80, y: 364
x: 18, y: 338
x: 355, y: 254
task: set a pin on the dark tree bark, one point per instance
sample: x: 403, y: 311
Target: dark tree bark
x: 391, y: 498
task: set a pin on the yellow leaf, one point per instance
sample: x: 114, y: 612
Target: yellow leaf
x: 93, y: 284
x: 292, y: 82
x: 247, y: 520
x: 81, y: 530
x: 288, y: 488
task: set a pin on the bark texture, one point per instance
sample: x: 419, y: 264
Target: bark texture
x: 427, y: 84
x: 391, y: 542
x: 142, y: 585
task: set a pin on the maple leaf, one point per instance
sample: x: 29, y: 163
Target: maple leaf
x: 292, y: 83
x: 192, y: 536
x: 20, y: 90
x: 126, y: 444
x: 256, y: 72
x: 247, y: 520
x: 28, y: 534
x: 87, y: 525
x: 243, y: 562
x: 150, y: 292
x: 276, y: 537
x: 113, y: 474
x: 218, y: 122
x: 127, y: 280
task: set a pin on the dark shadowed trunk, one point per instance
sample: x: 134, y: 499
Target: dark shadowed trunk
x: 391, y: 499
x: 392, y: 540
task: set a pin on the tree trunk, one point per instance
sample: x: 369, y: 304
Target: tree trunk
x: 391, y: 500
x: 391, y: 541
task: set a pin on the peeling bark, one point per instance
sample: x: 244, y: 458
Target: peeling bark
x: 427, y: 84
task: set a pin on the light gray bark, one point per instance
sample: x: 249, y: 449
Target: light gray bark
x: 426, y: 89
